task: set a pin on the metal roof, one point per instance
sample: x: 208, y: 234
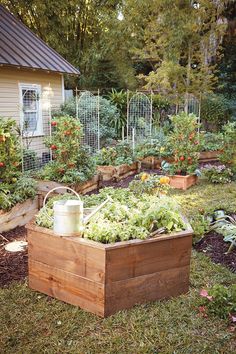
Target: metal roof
x: 20, y: 47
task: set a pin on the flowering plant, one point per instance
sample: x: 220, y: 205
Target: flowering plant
x: 150, y: 184
x: 218, y: 174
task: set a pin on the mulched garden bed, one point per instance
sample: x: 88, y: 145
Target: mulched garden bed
x: 214, y: 246
x: 13, y: 266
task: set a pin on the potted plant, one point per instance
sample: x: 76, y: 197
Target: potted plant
x: 185, y: 146
x: 134, y: 250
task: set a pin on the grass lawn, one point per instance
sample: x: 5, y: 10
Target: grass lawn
x: 34, y: 323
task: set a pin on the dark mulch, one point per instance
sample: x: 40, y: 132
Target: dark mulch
x: 13, y: 266
x: 214, y: 246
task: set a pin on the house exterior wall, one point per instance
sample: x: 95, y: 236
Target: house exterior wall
x: 52, y: 95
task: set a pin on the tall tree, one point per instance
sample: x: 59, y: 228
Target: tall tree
x: 181, y: 38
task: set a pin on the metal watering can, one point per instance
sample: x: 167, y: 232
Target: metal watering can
x: 68, y: 215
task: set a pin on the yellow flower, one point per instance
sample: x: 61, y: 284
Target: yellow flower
x: 144, y: 177
x: 164, y: 180
x: 162, y: 149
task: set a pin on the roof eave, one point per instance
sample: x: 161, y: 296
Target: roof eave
x: 40, y: 69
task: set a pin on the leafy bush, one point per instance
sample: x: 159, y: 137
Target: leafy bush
x: 10, y: 156
x: 108, y: 115
x: 217, y: 174
x: 71, y: 163
x: 125, y: 217
x: 184, y: 144
x: 114, y: 156
x: 150, y: 184
x: 228, y: 155
x: 159, y: 146
x: 220, y: 301
x: 211, y: 141
x: 214, y: 111
x: 18, y: 192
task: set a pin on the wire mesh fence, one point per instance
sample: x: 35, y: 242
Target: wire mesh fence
x: 87, y: 111
x: 144, y: 121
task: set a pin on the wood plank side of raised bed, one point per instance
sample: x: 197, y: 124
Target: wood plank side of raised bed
x: 67, y: 254
x: 66, y: 286
x: 147, y: 258
x: 19, y: 215
x: 165, y: 284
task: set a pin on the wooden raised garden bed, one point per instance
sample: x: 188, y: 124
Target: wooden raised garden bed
x: 208, y: 156
x: 150, y: 162
x: 118, y: 172
x: 19, y: 215
x: 45, y: 186
x: 104, y: 279
x: 183, y: 182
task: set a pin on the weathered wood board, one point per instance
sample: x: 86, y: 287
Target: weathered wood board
x: 183, y: 182
x: 104, y: 279
x: 19, y: 215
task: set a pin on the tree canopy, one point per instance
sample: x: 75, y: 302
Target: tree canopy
x: 172, y: 46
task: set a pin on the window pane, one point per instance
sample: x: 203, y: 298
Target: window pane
x: 29, y: 99
x: 30, y: 121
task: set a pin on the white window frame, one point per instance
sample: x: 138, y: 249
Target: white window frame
x: 39, y: 130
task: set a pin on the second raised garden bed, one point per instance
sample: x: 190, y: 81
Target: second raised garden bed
x: 118, y: 172
x: 19, y: 215
x: 104, y: 279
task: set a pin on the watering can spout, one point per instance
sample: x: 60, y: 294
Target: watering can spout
x: 88, y: 217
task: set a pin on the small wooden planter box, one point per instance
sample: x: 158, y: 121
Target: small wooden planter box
x: 45, y: 186
x: 19, y: 215
x: 183, y: 182
x: 208, y: 156
x: 118, y: 172
x: 104, y: 279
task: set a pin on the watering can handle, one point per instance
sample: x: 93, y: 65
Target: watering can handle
x: 52, y: 190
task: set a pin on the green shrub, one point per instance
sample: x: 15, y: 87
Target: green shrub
x: 214, y: 111
x: 120, y: 154
x: 184, y: 143
x: 217, y: 174
x: 71, y: 162
x: 220, y: 300
x: 211, y: 141
x: 10, y: 154
x: 18, y: 192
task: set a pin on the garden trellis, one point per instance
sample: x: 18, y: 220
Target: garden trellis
x: 87, y: 111
x: 139, y: 118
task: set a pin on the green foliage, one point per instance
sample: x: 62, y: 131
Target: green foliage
x: 228, y: 155
x: 217, y: 174
x: 109, y: 115
x: 200, y: 225
x: 71, y: 162
x: 114, y: 156
x: 184, y: 143
x: 125, y: 217
x: 150, y: 184
x: 214, y: 111
x: 18, y: 192
x: 226, y: 226
x: 158, y: 147
x: 119, y: 99
x: 10, y: 157
x: 120, y: 222
x: 221, y: 300
x: 211, y: 141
